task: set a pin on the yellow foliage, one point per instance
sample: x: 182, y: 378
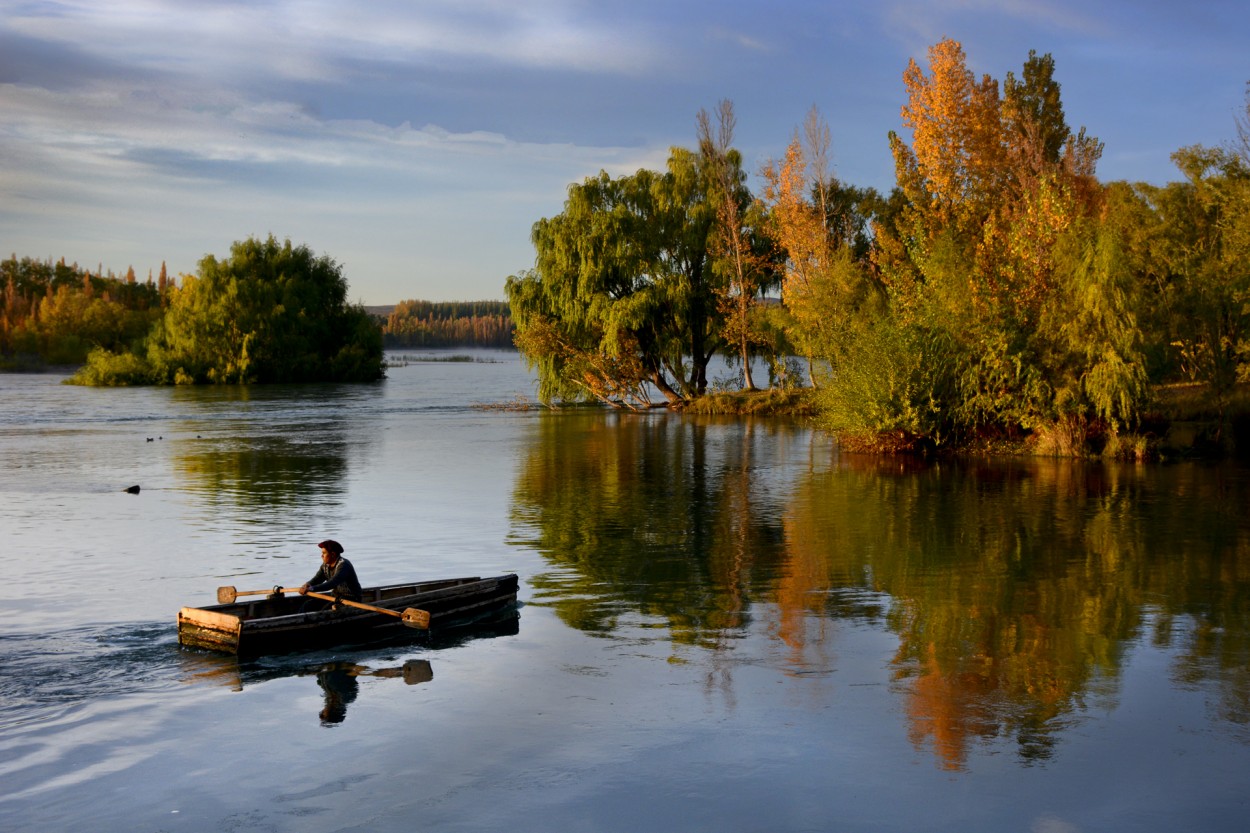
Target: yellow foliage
x: 957, y: 152
x: 978, y: 173
x: 808, y: 288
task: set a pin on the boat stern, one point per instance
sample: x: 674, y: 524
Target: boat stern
x: 209, y: 629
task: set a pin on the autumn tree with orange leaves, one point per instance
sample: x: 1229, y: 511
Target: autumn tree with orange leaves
x: 1000, y: 248
x: 825, y: 289
x: 875, y: 374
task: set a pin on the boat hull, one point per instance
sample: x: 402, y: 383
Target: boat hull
x: 275, y: 624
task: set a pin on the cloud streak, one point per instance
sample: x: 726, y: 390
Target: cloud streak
x: 418, y: 143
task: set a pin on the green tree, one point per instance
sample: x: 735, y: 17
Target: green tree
x: 1033, y: 110
x: 623, y: 293
x: 1198, y: 248
x: 271, y: 312
x: 1090, y: 342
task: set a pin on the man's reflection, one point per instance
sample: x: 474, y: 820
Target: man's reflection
x: 339, y: 684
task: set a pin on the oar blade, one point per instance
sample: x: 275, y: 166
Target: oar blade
x: 418, y: 671
x: 417, y: 618
x: 226, y: 595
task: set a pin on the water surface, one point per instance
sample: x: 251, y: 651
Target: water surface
x: 726, y: 625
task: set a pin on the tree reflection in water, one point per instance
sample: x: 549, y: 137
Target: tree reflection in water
x: 1015, y: 589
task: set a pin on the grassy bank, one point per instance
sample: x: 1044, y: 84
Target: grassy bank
x: 771, y: 402
x: 1183, y: 421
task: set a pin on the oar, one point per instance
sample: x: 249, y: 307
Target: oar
x: 227, y: 595
x: 412, y: 617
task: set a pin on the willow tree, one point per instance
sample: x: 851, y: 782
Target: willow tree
x: 622, y: 296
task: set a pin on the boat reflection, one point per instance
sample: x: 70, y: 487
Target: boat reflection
x: 338, y: 676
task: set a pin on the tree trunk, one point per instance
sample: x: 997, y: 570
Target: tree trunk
x: 661, y: 384
x: 747, y: 381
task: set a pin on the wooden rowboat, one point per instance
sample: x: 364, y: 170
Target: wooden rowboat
x: 272, y: 624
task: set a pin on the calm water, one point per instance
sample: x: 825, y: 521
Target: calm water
x: 726, y: 625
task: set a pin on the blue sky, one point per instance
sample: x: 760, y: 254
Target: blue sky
x: 416, y: 142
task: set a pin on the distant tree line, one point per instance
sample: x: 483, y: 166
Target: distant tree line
x: 1000, y: 290
x: 56, y: 313
x: 449, y: 324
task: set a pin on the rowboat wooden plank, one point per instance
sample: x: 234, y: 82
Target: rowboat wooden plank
x: 462, y: 610
x: 275, y: 624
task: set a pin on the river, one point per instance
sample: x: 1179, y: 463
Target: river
x: 725, y: 625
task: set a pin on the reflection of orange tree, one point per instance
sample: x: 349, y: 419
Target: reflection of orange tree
x: 804, y: 583
x: 1014, y: 589
x: 1007, y: 605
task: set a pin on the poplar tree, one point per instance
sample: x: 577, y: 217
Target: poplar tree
x: 1000, y: 232
x: 740, y: 250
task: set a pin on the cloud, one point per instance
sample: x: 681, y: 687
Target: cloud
x: 748, y: 42
x: 924, y: 23
x: 296, y: 40
x: 396, y: 133
x: 110, y: 126
x: 1052, y: 824
x: 136, y: 173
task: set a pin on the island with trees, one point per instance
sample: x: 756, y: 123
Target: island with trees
x: 271, y: 312
x: 1001, y: 293
x: 54, y: 314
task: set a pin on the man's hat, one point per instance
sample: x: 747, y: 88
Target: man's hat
x: 332, y: 546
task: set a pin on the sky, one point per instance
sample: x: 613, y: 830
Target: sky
x: 416, y: 142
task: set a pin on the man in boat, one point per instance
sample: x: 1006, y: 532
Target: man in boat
x: 337, y: 575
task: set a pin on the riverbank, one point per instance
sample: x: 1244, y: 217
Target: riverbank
x: 1190, y: 421
x: 1183, y: 421
x: 29, y: 363
x: 794, y: 402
